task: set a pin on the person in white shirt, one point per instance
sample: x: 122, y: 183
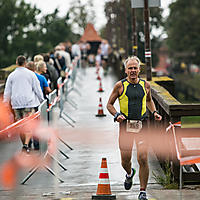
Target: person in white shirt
x: 98, y: 57
x: 23, y: 92
x: 104, y: 49
x: 76, y: 51
x: 66, y: 55
x: 104, y: 54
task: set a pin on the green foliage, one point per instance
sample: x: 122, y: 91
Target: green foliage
x: 183, y: 31
x: 17, y: 20
x: 54, y: 30
x: 165, y: 180
x: 24, y: 31
x: 119, y: 27
x: 156, y: 22
x: 187, y: 91
x: 81, y: 14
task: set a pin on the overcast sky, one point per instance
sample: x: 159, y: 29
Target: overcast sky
x: 48, y: 6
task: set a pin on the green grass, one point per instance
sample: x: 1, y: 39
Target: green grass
x: 165, y: 180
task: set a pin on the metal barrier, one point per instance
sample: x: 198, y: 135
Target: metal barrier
x: 43, y: 117
x: 66, y: 92
x: 171, y: 111
x: 186, y: 137
x: 52, y: 102
x: 64, y: 89
x: 44, y: 144
x: 43, y: 111
x: 73, y: 76
x: 45, y: 114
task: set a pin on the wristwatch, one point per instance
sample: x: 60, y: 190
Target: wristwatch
x: 116, y: 116
x: 155, y: 111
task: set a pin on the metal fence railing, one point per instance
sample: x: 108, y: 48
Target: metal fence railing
x: 45, y: 117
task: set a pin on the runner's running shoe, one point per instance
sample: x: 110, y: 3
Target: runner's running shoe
x: 142, y: 196
x: 25, y: 148
x: 128, y: 181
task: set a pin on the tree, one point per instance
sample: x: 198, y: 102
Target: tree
x: 81, y: 14
x: 21, y: 32
x: 54, y: 30
x: 17, y: 20
x: 156, y: 23
x: 118, y: 29
x: 183, y: 31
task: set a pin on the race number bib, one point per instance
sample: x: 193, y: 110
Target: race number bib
x: 133, y: 126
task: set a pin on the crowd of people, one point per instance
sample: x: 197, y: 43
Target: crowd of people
x: 24, y: 94
x: 89, y: 58
x: 32, y: 80
x: 30, y: 83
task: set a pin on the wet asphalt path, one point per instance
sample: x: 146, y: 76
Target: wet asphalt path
x: 92, y: 138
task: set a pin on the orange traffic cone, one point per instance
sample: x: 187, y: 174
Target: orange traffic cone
x: 103, y: 189
x: 100, y: 87
x: 100, y: 110
x: 97, y: 68
x: 98, y: 77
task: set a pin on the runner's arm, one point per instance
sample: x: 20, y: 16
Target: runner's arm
x: 114, y: 95
x: 7, y: 91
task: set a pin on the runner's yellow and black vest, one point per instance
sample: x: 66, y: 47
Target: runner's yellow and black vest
x: 133, y: 100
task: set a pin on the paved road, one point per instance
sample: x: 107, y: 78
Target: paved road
x: 92, y: 138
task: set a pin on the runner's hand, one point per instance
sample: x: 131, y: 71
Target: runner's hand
x: 120, y: 118
x: 157, y: 117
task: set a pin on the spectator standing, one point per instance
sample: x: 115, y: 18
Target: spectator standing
x: 23, y: 91
x: 76, y: 51
x: 38, y: 58
x: 85, y: 49
x: 31, y: 66
x: 59, y: 63
x: 53, y: 74
x: 98, y: 57
x: 44, y: 87
x: 45, y: 73
x: 40, y: 69
x: 61, y: 50
x: 104, y: 54
x: 68, y: 48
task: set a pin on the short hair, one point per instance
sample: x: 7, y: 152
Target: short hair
x: 31, y: 65
x: 21, y: 60
x: 46, y: 57
x: 58, y: 48
x: 37, y: 58
x: 39, y: 65
x: 57, y: 54
x: 132, y: 58
x: 51, y: 62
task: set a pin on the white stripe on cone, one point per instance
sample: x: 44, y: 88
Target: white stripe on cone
x: 104, y: 170
x: 104, y: 181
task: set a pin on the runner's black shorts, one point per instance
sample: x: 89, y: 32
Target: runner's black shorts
x: 126, y: 139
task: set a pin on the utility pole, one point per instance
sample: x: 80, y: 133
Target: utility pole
x: 148, y: 60
x: 117, y: 23
x: 146, y: 4
x: 134, y: 30
x: 125, y: 28
x: 121, y: 27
